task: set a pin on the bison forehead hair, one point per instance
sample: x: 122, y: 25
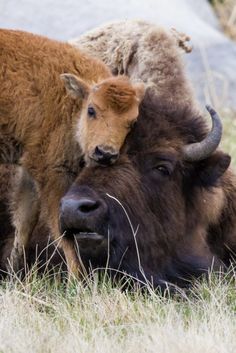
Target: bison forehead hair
x: 157, y: 124
x: 117, y: 93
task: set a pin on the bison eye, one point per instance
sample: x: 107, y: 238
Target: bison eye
x: 91, y: 112
x: 162, y: 169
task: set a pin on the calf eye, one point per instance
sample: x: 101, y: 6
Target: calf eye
x: 162, y: 169
x: 91, y: 112
x: 133, y: 123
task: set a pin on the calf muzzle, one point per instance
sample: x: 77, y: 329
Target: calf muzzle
x: 104, y: 155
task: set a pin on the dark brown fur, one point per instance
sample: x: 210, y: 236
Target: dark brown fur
x: 39, y: 249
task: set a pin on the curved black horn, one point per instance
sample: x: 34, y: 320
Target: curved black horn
x: 201, y: 150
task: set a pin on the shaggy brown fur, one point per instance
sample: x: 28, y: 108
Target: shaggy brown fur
x: 46, y: 255
x: 41, y: 122
x: 7, y: 172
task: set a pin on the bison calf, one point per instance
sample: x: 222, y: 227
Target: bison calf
x: 47, y: 129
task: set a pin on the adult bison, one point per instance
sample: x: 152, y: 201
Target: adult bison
x: 182, y: 209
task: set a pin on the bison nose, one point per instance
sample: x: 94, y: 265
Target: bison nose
x: 81, y: 213
x: 105, y: 155
x: 83, y: 207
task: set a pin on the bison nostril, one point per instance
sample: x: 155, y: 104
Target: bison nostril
x: 87, y: 205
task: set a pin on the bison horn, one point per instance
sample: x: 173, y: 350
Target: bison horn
x: 201, y: 150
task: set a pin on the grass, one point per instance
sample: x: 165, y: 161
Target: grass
x: 39, y: 315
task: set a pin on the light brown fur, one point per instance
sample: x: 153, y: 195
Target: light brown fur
x: 41, y: 122
x: 143, y: 51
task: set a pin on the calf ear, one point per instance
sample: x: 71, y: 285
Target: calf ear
x: 75, y: 87
x: 212, y: 168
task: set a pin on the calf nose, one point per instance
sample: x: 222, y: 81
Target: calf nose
x: 105, y: 155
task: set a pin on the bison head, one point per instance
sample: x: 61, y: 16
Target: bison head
x: 148, y: 215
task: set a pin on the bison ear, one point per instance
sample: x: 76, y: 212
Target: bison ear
x: 75, y: 87
x: 140, y: 89
x: 212, y: 168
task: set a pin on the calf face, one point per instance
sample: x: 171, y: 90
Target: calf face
x: 109, y: 110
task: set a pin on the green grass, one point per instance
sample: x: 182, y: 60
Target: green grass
x: 41, y: 315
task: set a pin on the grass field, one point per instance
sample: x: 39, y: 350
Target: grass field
x: 41, y: 315
x: 37, y: 316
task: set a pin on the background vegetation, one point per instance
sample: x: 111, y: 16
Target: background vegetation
x: 226, y: 11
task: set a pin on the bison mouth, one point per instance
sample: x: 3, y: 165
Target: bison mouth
x: 84, y: 236
x: 92, y: 246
